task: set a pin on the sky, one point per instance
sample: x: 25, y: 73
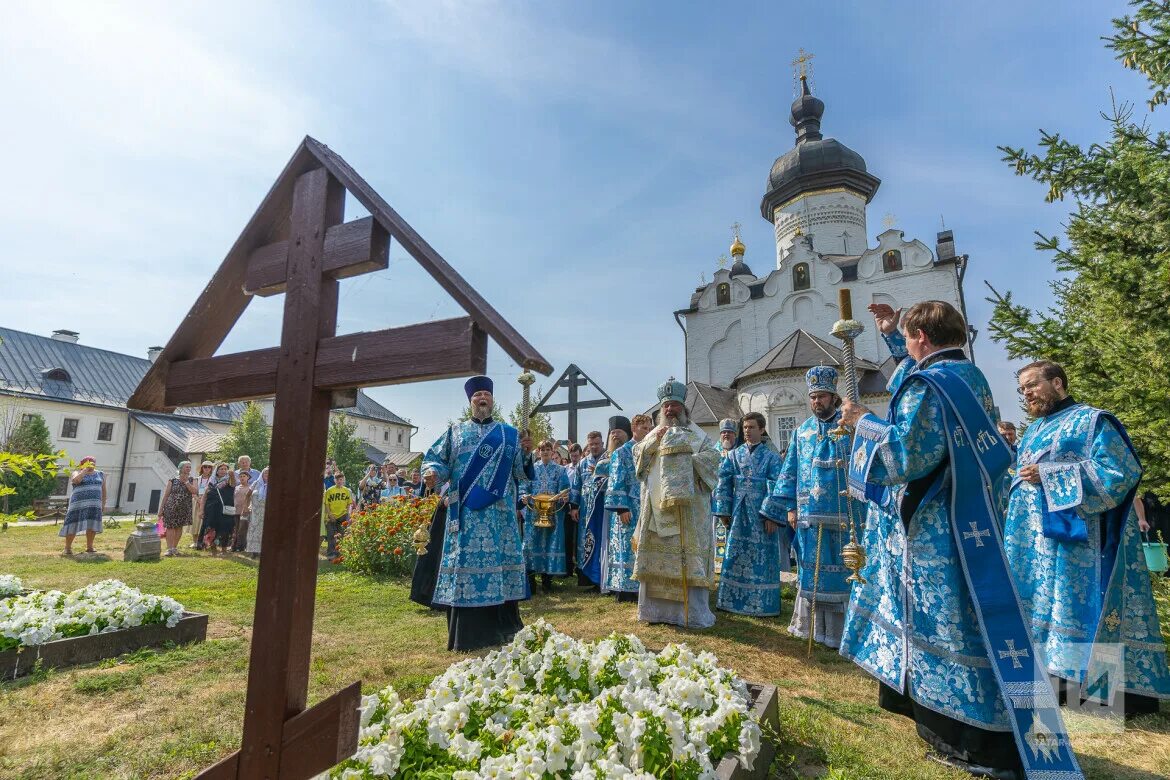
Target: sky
x: 578, y: 163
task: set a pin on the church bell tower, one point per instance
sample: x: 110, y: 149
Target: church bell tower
x: 820, y: 188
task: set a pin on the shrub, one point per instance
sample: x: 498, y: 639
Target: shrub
x: 380, y: 540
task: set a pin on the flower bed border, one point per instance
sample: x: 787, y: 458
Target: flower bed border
x: 765, y: 708
x: 73, y: 651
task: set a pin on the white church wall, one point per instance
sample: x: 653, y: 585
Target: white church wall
x: 764, y: 322
x: 835, y: 218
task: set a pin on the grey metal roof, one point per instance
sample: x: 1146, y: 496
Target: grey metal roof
x: 373, y: 454
x: 103, y: 378
x: 371, y: 409
x: 96, y: 376
x: 176, y: 431
x: 800, y: 350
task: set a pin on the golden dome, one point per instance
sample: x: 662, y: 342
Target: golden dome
x: 737, y: 248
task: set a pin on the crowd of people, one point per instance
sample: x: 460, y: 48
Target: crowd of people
x: 223, y: 507
x: 982, y: 577
x: 983, y: 581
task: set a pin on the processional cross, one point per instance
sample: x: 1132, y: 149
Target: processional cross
x: 573, y: 378
x: 296, y: 244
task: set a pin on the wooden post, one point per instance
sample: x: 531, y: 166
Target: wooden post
x: 278, y: 675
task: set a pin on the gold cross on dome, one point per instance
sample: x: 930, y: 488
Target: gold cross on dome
x: 722, y: 261
x: 801, y: 63
x: 735, y: 226
x: 889, y: 220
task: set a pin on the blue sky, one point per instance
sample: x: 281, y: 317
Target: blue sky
x: 580, y: 163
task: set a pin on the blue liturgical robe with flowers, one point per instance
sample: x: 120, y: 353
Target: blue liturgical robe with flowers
x: 810, y: 483
x: 581, y: 494
x: 912, y: 625
x: 623, y: 493
x: 1074, y: 547
x: 749, y: 583
x: 482, y: 563
x: 544, y: 548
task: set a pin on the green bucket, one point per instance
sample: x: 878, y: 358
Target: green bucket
x: 1156, y: 556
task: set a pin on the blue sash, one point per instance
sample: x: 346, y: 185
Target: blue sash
x: 978, y: 459
x: 497, y: 447
x: 590, y: 564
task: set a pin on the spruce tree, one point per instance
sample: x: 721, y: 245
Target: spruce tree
x: 1110, y: 324
x: 250, y: 435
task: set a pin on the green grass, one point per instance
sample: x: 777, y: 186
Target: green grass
x: 170, y: 712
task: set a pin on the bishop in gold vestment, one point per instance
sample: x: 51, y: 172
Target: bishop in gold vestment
x: 678, y: 467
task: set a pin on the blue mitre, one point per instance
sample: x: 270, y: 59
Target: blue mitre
x: 672, y: 390
x: 477, y: 383
x: 821, y: 379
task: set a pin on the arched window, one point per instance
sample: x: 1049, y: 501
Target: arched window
x: 800, y: 277
x: 723, y: 294
x: 56, y: 375
x: 892, y: 261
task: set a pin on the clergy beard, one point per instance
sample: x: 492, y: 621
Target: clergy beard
x: 481, y: 411
x: 683, y: 419
x: 1042, y: 403
x: 824, y: 415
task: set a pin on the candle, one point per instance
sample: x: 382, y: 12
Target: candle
x: 844, y: 303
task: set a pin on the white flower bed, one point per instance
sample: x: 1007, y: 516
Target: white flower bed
x: 109, y: 605
x: 10, y: 585
x: 548, y: 705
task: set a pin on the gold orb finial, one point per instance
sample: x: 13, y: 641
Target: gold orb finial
x: 737, y: 246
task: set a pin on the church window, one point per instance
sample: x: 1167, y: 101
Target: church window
x: 785, y: 425
x: 892, y: 261
x: 723, y: 294
x: 800, y: 277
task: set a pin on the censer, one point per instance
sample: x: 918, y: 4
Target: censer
x: 848, y: 329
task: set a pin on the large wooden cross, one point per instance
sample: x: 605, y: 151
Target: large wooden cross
x: 296, y: 244
x: 573, y: 378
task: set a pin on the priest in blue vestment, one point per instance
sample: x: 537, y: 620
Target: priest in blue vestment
x: 728, y: 441
x: 936, y: 620
x: 749, y: 583
x: 1074, y: 546
x: 481, y: 577
x: 807, y: 497
x: 623, y: 492
x: 544, y: 548
x: 582, y: 495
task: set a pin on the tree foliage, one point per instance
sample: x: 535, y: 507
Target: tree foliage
x: 346, y: 449
x: 29, y: 472
x: 540, y: 426
x: 1110, y: 325
x: 250, y: 435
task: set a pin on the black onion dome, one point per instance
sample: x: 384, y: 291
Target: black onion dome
x: 740, y: 268
x: 816, y: 162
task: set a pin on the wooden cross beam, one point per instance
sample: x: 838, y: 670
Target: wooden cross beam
x: 296, y: 244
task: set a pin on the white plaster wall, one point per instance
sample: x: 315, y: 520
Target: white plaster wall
x: 825, y: 216
x: 760, y: 324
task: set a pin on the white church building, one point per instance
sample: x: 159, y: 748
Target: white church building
x: 750, y: 338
